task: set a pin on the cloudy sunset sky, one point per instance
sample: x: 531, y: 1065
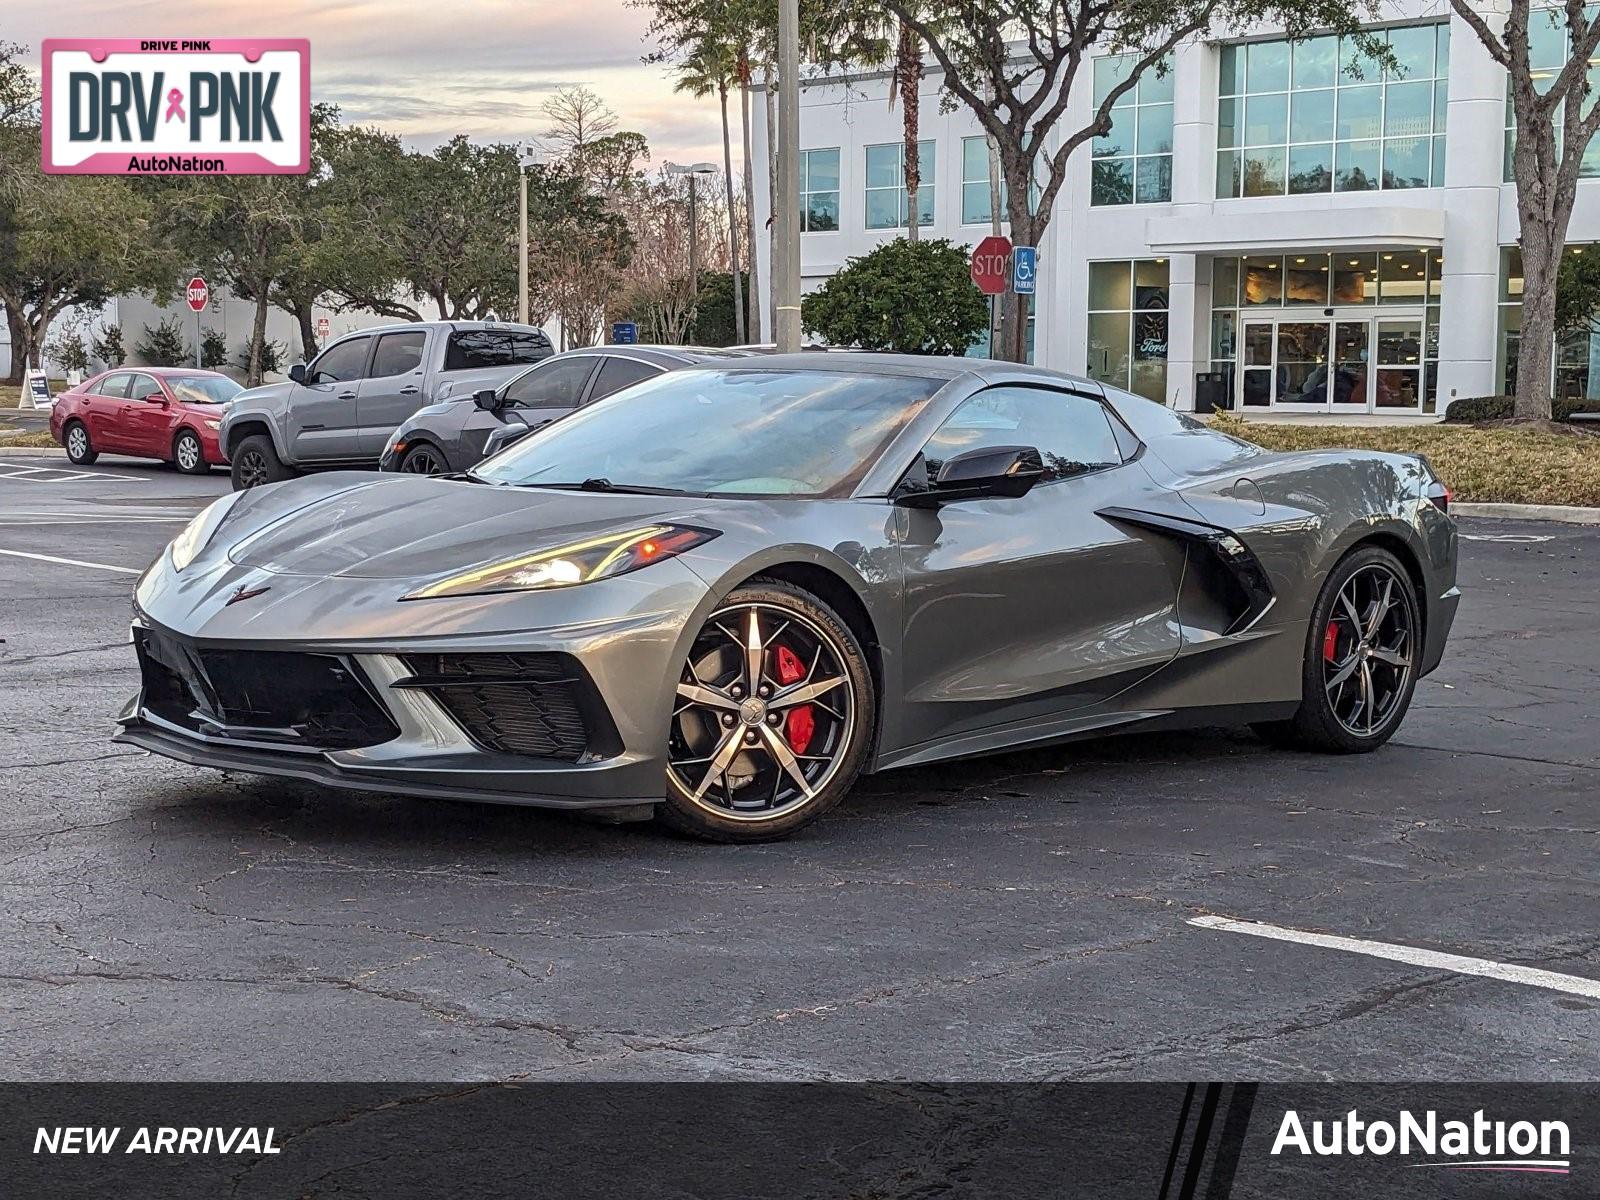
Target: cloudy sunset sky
x: 428, y: 69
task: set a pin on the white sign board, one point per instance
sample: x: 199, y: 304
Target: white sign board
x: 216, y: 106
x: 35, y: 390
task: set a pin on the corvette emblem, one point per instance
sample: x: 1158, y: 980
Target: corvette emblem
x: 244, y: 593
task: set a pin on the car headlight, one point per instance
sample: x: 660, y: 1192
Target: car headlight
x: 213, y: 423
x: 199, y: 531
x: 567, y: 566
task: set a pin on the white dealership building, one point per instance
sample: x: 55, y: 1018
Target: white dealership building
x: 1313, y: 238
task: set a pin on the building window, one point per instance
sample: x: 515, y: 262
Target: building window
x: 1133, y: 163
x: 980, y: 345
x: 1404, y: 347
x: 975, y: 182
x: 1318, y: 116
x: 819, y: 190
x: 886, y: 185
x: 1128, y: 326
x: 1549, y: 48
x: 1576, y: 366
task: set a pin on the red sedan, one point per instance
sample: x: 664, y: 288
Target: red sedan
x: 169, y: 413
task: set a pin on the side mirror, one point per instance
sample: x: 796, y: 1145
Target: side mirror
x: 1000, y: 472
x: 503, y: 437
x: 297, y: 373
x: 488, y: 399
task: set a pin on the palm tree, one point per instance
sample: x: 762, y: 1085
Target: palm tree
x: 709, y: 68
x: 908, y: 84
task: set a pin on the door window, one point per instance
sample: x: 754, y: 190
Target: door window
x: 1302, y: 362
x: 397, y: 353
x: 115, y: 385
x: 552, y: 385
x: 1072, y: 433
x: 339, y: 364
x: 145, y: 387
x: 618, y: 373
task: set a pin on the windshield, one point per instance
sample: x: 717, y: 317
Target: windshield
x: 790, y: 433
x: 203, y: 389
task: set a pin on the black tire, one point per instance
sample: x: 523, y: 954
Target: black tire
x: 1354, y: 689
x: 424, y: 459
x: 188, y: 455
x: 80, y: 451
x: 740, y: 812
x: 255, y: 461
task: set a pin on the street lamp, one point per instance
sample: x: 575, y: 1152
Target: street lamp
x: 530, y: 158
x: 694, y: 172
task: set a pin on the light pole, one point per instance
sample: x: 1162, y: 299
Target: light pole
x: 529, y: 159
x: 786, y: 204
x: 694, y: 172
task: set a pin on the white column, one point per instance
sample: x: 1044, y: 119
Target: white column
x: 1194, y: 146
x: 1469, y: 334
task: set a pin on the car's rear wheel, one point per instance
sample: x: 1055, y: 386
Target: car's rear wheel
x: 256, y: 462
x: 1361, y: 658
x: 423, y: 459
x: 187, y: 453
x: 773, y: 718
x: 80, y: 452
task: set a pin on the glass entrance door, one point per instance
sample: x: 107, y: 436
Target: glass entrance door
x: 1350, y: 366
x: 1301, y: 373
x: 1356, y: 364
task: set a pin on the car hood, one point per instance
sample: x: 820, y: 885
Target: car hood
x: 267, y: 393
x: 415, y: 527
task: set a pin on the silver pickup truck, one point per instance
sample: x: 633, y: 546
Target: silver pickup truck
x: 339, y: 409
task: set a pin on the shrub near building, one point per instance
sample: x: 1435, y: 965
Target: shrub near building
x: 911, y: 297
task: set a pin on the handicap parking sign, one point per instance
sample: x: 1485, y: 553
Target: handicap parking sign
x: 1024, y: 269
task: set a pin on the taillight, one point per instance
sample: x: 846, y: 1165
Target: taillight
x: 1438, y: 494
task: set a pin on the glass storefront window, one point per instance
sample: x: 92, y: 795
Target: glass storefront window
x: 1316, y: 117
x: 1549, y: 47
x: 1128, y: 325
x: 1576, y: 361
x: 886, y: 185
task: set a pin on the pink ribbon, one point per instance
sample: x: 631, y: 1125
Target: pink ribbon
x: 175, y: 105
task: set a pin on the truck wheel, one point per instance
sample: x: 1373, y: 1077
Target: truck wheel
x: 256, y: 462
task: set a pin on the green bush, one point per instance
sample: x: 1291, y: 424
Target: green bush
x: 1501, y: 408
x: 912, y: 297
x: 163, y: 345
x: 713, y: 320
x: 272, y: 356
x: 108, y: 346
x: 213, y: 349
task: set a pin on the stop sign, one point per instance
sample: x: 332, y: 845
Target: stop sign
x: 198, y: 293
x: 991, y: 264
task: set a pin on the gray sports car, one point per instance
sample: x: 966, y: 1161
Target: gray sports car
x: 719, y: 596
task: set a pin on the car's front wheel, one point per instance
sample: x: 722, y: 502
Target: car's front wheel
x: 1361, y: 658
x: 187, y: 453
x: 423, y: 459
x: 256, y: 462
x: 772, y: 720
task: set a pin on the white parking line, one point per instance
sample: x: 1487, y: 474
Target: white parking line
x: 26, y: 474
x: 1574, y: 985
x: 72, y: 562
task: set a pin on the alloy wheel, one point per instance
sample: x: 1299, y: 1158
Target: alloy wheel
x: 1368, y: 650
x: 188, y: 453
x: 252, y: 469
x: 422, y: 461
x: 77, y: 441
x: 765, y: 713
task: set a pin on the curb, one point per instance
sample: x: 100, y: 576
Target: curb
x: 1529, y: 512
x: 31, y: 451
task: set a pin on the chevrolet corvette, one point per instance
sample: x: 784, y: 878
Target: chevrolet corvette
x: 720, y: 596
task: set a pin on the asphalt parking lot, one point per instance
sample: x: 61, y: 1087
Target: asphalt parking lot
x: 1031, y: 916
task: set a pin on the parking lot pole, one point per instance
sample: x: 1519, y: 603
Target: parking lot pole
x: 786, y: 205
x: 522, y: 249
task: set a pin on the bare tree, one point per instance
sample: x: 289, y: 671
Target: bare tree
x: 1554, y: 125
x: 577, y: 117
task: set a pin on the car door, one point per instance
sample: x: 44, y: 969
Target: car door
x: 146, y: 418
x: 1027, y: 609
x: 541, y: 394
x: 322, y: 419
x: 392, y: 389
x: 103, y: 411
x: 617, y: 372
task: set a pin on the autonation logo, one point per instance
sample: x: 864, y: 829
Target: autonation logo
x: 1476, y: 1145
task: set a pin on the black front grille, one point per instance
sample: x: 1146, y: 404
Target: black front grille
x: 313, y: 701
x: 535, y: 704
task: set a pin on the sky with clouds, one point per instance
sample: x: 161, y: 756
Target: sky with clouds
x: 428, y: 69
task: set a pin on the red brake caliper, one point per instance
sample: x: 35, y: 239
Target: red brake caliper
x: 801, y: 724
x: 1330, y: 642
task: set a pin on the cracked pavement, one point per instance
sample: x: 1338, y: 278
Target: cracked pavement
x: 1018, y: 917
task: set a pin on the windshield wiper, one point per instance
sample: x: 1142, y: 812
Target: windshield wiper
x: 601, y: 484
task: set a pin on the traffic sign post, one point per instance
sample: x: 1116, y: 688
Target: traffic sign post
x: 197, y: 294
x: 1024, y: 269
x: 991, y: 264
